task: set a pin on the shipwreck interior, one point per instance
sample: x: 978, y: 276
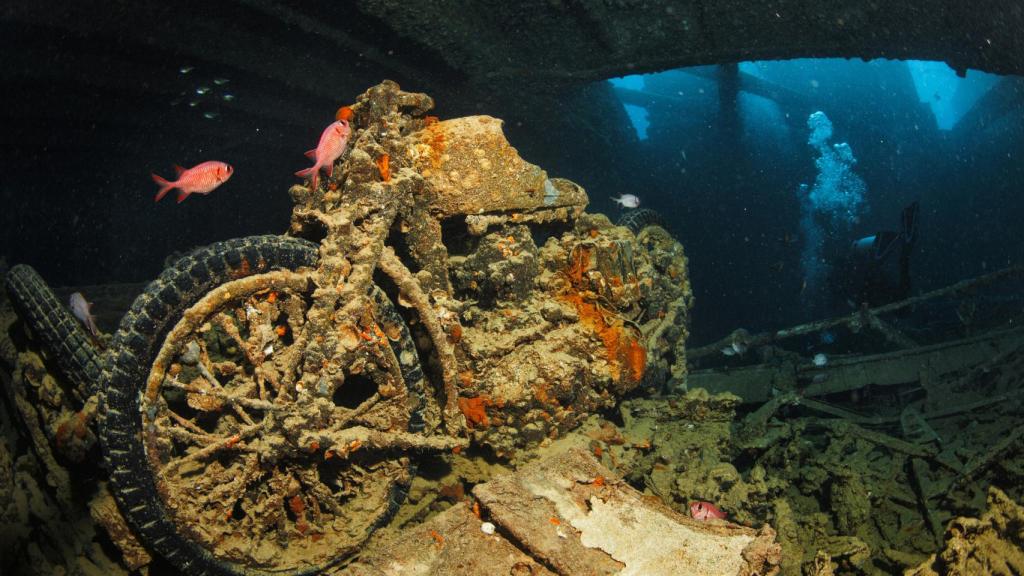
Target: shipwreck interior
x: 668, y: 357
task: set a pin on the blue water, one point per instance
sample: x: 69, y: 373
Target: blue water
x: 726, y: 169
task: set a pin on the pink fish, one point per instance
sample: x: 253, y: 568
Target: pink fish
x: 199, y: 179
x: 83, y: 311
x: 332, y: 144
x: 705, y: 511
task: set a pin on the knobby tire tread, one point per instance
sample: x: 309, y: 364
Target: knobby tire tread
x: 637, y: 220
x: 139, y: 339
x: 135, y: 345
x: 61, y: 335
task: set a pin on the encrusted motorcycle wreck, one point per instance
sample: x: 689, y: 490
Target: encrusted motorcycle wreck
x: 262, y: 403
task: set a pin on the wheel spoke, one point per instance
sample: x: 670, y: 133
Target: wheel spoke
x: 235, y: 489
x: 231, y: 438
x: 232, y: 442
x: 183, y: 422
x: 251, y: 403
x: 199, y: 439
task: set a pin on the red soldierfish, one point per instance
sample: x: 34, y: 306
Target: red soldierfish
x: 83, y: 311
x: 199, y: 179
x: 332, y: 144
x: 705, y: 511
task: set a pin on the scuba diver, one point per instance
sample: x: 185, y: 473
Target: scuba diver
x: 876, y: 269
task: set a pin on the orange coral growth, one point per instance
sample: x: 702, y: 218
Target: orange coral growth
x: 344, y: 113
x: 384, y: 167
x: 578, y: 266
x: 431, y: 120
x: 296, y: 505
x: 438, y: 539
x: 621, y: 348
x: 244, y: 269
x: 540, y: 393
x: 636, y: 359
x: 475, y: 410
x: 455, y: 335
x: 272, y: 297
x: 598, y: 481
x: 554, y: 521
x: 435, y: 138
x: 610, y: 334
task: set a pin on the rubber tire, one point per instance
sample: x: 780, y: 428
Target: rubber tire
x: 139, y: 339
x: 62, y: 336
x: 135, y: 345
x: 637, y: 220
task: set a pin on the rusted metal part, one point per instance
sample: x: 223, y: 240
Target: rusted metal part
x: 471, y: 168
x: 862, y: 317
x: 758, y: 383
x: 411, y: 290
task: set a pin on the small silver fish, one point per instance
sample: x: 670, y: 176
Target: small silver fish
x: 186, y: 69
x: 220, y: 81
x: 627, y: 201
x: 210, y: 115
x: 202, y: 90
x: 228, y: 97
x: 820, y: 359
x: 735, y: 349
x: 82, y: 310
